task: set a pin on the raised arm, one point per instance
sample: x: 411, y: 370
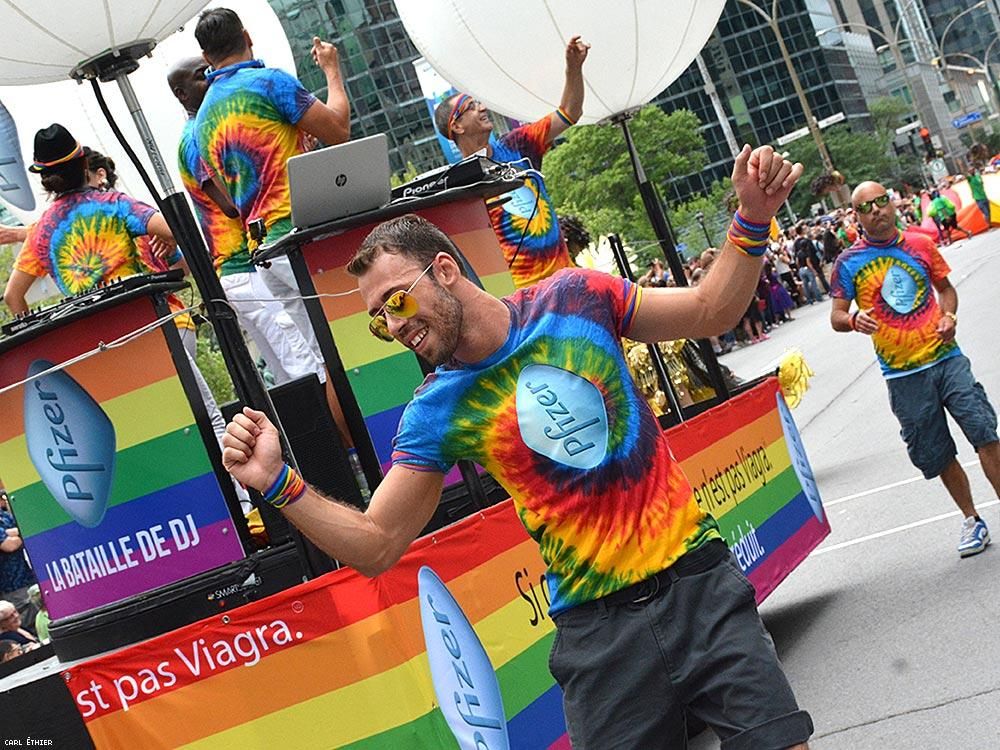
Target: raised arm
x: 17, y: 288
x: 571, y: 103
x: 370, y: 541
x: 330, y: 122
x: 762, y: 181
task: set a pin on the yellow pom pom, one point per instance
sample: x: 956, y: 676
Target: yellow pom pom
x: 793, y: 376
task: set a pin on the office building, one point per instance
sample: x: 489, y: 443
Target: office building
x: 377, y: 63
x: 745, y: 64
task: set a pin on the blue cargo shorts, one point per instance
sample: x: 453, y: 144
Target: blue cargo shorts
x: 919, y: 402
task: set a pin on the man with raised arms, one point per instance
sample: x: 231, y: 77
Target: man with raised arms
x: 653, y: 616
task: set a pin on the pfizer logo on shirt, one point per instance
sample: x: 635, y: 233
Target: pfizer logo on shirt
x: 71, y: 443
x: 899, y: 289
x: 562, y: 416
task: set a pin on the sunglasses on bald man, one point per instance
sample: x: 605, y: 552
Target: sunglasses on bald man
x: 865, y: 207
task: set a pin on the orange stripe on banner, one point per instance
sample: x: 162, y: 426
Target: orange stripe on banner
x: 761, y: 433
x: 335, y: 280
x: 296, y: 675
x: 697, y: 434
x: 110, y: 374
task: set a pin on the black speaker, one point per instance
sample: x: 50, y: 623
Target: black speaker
x: 312, y: 434
x: 457, y: 502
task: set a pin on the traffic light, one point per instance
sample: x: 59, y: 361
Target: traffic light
x: 925, y: 136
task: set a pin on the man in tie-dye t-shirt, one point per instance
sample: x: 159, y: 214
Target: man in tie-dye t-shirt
x: 905, y: 302
x: 252, y: 118
x: 282, y: 342
x: 524, y: 220
x: 652, y: 613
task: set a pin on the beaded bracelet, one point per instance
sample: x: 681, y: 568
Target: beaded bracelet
x: 287, y: 488
x: 854, y: 320
x: 748, y: 237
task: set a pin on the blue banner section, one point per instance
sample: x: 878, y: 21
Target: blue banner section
x: 540, y: 723
x: 382, y: 428
x: 199, y: 497
x: 779, y: 528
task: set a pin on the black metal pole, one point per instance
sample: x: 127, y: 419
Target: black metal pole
x: 654, y: 210
x: 662, y: 376
x: 246, y: 380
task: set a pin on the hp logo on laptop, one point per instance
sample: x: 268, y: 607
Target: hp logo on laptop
x: 341, y: 180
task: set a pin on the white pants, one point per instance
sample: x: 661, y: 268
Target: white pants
x: 280, y: 279
x: 280, y: 341
x: 190, y: 340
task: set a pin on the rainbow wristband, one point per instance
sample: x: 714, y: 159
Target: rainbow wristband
x: 287, y: 488
x: 565, y: 116
x: 750, y: 238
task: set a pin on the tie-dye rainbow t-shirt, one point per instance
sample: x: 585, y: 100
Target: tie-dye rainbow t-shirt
x: 556, y: 418
x: 86, y: 237
x: 223, y: 235
x: 529, y: 210
x: 896, y: 279
x: 246, y: 132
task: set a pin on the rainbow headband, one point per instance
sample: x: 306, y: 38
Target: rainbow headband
x: 76, y: 153
x: 461, y: 100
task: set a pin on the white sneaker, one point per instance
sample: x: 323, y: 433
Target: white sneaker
x: 974, y: 539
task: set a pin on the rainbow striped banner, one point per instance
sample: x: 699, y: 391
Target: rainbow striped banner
x: 115, y: 439
x: 749, y: 469
x: 383, y: 375
x: 340, y: 661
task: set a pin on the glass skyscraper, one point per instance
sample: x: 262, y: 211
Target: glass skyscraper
x: 745, y: 64
x: 377, y: 63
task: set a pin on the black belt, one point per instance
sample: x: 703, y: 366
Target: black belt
x: 706, y: 557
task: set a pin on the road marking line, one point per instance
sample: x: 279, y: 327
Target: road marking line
x: 874, y: 490
x: 905, y: 527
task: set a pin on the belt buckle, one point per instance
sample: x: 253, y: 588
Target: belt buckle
x: 646, y: 597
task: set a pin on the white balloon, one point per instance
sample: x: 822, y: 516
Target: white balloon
x: 38, y: 106
x: 511, y: 56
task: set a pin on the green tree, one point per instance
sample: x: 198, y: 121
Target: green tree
x: 590, y: 173
x: 716, y: 214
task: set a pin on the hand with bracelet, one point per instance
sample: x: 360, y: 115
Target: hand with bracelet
x: 252, y: 454
x: 946, y: 326
x: 863, y: 322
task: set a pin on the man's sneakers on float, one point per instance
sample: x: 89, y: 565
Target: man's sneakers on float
x: 975, y: 537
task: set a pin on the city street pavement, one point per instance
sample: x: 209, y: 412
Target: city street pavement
x: 890, y: 640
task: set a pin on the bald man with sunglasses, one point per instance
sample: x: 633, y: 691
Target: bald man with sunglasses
x: 909, y: 308
x: 653, y: 614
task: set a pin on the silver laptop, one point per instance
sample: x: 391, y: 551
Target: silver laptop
x: 337, y: 181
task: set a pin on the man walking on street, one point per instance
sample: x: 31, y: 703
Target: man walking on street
x: 635, y: 567
x: 526, y: 224
x: 909, y: 308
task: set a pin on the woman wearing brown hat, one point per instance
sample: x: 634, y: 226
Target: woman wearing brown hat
x: 87, y: 236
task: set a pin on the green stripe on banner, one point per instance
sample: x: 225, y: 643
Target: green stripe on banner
x: 763, y: 503
x: 387, y: 383
x: 522, y: 680
x: 139, y: 470
x: 526, y: 676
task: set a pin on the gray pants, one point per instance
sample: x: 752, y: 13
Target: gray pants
x: 689, y: 641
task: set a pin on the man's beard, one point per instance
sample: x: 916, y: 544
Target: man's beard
x: 446, y: 328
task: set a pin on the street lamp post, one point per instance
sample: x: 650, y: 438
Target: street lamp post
x: 944, y: 35
x: 700, y: 218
